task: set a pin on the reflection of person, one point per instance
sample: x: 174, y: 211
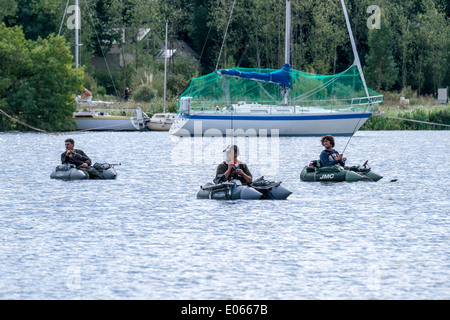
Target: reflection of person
x: 232, y: 168
x: 78, y: 158
x: 86, y: 95
x: 330, y: 157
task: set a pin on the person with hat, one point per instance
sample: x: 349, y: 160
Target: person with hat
x: 232, y: 168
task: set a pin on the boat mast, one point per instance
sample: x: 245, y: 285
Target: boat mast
x: 288, y: 32
x: 356, y: 62
x: 165, y: 71
x: 287, y: 48
x: 77, y: 26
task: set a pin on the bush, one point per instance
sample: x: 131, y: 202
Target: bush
x: 38, y: 81
x: 101, y: 90
x: 440, y: 116
x: 145, y: 93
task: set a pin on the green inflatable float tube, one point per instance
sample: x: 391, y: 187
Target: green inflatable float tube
x: 315, y: 172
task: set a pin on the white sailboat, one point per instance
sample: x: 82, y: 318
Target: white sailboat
x: 162, y: 121
x: 289, y: 102
x: 94, y: 116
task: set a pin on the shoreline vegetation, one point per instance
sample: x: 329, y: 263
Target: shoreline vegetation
x: 433, y: 114
x: 421, y: 108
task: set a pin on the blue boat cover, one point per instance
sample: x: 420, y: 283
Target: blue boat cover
x: 280, y: 76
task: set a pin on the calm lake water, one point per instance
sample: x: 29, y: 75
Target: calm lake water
x: 146, y: 236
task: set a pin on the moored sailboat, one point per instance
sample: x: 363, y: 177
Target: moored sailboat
x: 287, y: 102
x: 91, y: 118
x: 94, y: 116
x: 162, y: 121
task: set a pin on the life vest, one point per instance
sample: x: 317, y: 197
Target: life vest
x: 235, y: 175
x: 332, y: 155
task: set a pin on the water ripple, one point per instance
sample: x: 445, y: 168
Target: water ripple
x: 146, y: 236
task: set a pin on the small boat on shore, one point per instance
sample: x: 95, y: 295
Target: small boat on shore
x: 70, y: 172
x: 161, y: 121
x: 98, y: 119
x: 314, y: 172
x: 234, y: 190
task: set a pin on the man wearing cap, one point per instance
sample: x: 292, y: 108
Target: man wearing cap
x: 232, y: 168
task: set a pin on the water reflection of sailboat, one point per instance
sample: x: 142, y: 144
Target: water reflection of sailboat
x: 284, y: 102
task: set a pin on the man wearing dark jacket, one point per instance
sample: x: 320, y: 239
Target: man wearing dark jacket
x: 232, y: 168
x: 78, y: 158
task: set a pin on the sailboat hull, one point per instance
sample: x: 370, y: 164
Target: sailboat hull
x: 102, y: 121
x: 339, y: 124
x: 106, y: 123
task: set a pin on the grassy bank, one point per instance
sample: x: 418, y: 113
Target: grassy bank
x: 439, y: 114
x: 420, y: 108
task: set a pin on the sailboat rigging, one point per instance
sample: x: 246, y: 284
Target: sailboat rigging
x: 283, y: 102
x: 163, y: 121
x: 91, y: 118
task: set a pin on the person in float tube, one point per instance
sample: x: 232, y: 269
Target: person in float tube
x: 330, y: 157
x: 232, y: 168
x: 78, y: 158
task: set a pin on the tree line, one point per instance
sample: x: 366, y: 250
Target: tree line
x: 410, y: 48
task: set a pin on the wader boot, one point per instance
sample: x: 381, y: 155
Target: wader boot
x: 92, y: 172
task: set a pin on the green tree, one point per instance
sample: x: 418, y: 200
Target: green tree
x: 7, y: 8
x: 104, y: 16
x: 38, y: 18
x: 329, y: 34
x: 381, y: 71
x: 437, y: 38
x: 199, y: 29
x: 15, y: 63
x: 37, y: 81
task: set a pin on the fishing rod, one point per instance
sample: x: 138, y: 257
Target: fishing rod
x: 115, y: 164
x: 354, y: 130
